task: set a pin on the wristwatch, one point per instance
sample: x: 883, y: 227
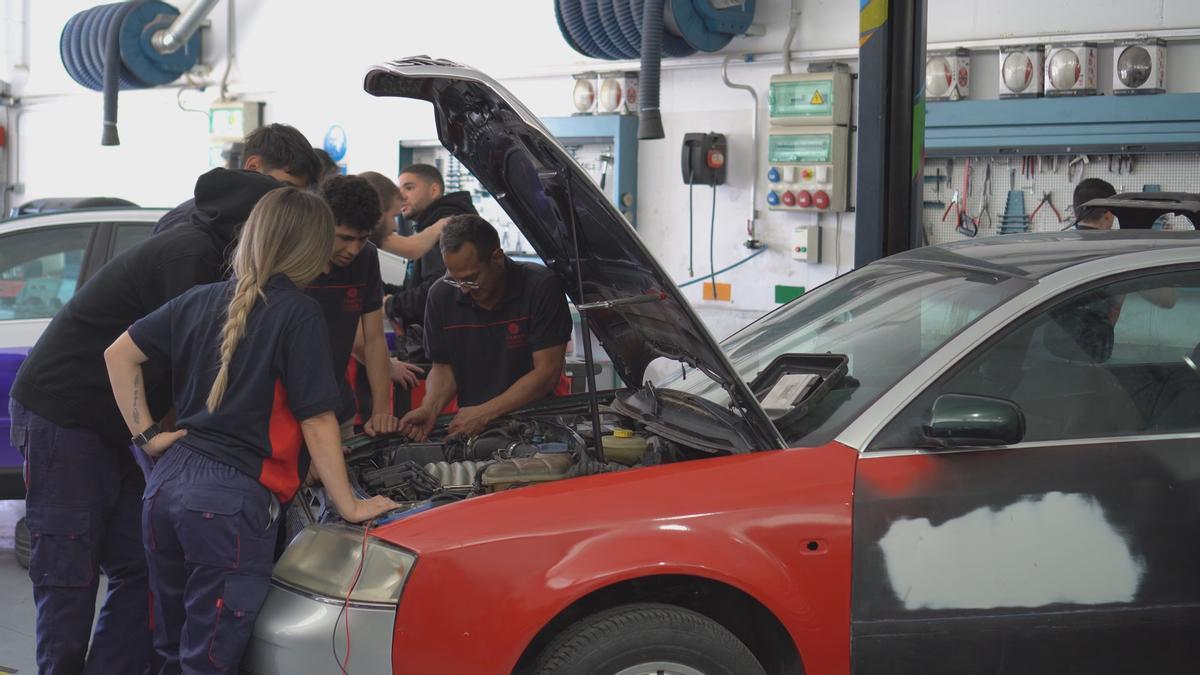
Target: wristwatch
x: 143, y: 438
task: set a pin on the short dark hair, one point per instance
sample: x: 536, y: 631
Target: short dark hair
x: 283, y: 147
x: 328, y: 167
x: 1087, y: 190
x: 353, y: 202
x: 469, y: 229
x: 429, y: 173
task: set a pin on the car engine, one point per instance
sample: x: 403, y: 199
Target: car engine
x: 515, y: 451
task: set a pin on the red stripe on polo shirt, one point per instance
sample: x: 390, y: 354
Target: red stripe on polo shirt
x: 280, y: 471
x: 484, y: 325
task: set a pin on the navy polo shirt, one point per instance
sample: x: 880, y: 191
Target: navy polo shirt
x: 346, y: 294
x: 281, y: 373
x: 489, y: 350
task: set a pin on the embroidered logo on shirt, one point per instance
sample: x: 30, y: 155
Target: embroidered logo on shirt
x: 352, y: 303
x: 516, y: 338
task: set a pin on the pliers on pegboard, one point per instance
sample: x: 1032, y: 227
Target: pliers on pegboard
x: 1048, y: 202
x: 984, y: 218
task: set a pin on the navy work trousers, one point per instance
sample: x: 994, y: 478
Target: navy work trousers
x: 83, y: 503
x: 210, y: 535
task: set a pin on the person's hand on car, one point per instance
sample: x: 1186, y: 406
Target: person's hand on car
x: 366, y: 509
x: 417, y: 424
x: 381, y: 423
x: 469, y: 421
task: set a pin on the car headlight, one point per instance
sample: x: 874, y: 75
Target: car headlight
x: 324, y: 558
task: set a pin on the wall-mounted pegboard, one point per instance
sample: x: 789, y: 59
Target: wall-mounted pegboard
x: 1173, y: 172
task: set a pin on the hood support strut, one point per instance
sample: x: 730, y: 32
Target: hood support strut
x: 562, y: 186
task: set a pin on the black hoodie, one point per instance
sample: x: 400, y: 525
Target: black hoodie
x: 408, y: 304
x: 64, y: 379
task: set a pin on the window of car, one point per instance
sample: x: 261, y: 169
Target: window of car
x: 1119, y: 359
x: 886, y: 318
x: 129, y: 234
x: 39, y: 269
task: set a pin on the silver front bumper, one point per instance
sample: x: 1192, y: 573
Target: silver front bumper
x: 295, y: 633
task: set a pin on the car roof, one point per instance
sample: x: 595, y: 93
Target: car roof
x: 97, y: 215
x: 1035, y: 255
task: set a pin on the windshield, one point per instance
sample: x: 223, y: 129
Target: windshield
x: 885, y: 318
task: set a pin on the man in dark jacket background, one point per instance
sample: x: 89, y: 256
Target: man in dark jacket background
x: 424, y: 201
x: 84, y: 489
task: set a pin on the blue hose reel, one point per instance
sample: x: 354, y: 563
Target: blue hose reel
x: 612, y: 29
x: 649, y: 30
x: 109, y: 47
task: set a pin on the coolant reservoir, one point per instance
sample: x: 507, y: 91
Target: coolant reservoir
x: 624, y: 447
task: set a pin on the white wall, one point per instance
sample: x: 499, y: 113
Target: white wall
x: 307, y: 59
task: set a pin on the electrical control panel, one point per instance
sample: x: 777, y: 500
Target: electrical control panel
x: 806, y: 169
x: 806, y: 243
x: 800, y: 99
x: 703, y: 160
x: 229, y: 122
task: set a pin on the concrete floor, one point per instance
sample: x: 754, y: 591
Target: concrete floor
x: 16, y: 599
x: 17, y: 644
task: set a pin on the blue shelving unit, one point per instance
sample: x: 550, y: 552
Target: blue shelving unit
x: 1044, y: 126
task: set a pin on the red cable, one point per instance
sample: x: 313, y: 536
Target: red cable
x: 362, y: 559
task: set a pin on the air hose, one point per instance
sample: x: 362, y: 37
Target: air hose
x: 649, y: 118
x: 650, y: 30
x: 109, y: 47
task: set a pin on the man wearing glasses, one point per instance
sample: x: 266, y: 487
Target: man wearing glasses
x: 496, y: 331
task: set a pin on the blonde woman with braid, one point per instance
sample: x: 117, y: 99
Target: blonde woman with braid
x: 253, y: 379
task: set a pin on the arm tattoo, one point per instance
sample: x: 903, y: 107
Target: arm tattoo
x: 137, y: 385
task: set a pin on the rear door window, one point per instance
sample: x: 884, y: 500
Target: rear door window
x: 39, y: 269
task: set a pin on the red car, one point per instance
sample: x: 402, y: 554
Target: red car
x: 982, y: 457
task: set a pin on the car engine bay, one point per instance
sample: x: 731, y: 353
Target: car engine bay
x: 538, y: 445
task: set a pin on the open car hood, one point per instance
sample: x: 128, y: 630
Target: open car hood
x: 1139, y: 210
x: 632, y: 306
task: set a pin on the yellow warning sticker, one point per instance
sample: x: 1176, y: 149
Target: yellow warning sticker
x: 816, y: 98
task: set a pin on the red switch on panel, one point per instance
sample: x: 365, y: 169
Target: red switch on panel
x: 820, y: 199
x: 789, y: 199
x: 804, y: 199
x: 806, y: 174
x: 715, y: 159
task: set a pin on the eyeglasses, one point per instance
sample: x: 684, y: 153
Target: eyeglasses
x: 461, y: 285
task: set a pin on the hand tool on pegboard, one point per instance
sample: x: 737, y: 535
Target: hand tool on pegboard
x: 1014, y: 218
x: 937, y: 180
x: 956, y: 206
x: 984, y: 218
x: 1046, y: 201
x: 1027, y: 166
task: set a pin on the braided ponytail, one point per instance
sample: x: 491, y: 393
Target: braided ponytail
x: 289, y: 232
x: 244, y: 295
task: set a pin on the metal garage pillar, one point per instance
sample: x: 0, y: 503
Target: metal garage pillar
x: 891, y: 128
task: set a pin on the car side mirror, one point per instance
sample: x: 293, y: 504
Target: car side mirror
x: 967, y: 421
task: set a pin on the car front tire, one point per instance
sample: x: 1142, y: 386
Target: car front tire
x: 647, y: 638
